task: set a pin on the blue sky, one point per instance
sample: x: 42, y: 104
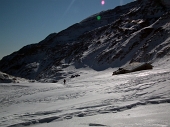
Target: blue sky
x: 24, y: 22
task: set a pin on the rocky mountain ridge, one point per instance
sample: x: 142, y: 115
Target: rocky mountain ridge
x: 5, y: 78
x: 138, y: 31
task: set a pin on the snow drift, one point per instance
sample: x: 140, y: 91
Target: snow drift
x: 138, y: 99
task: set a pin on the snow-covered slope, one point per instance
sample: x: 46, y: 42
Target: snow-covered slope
x: 138, y: 31
x: 138, y: 99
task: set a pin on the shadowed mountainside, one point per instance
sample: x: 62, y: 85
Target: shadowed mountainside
x: 136, y: 32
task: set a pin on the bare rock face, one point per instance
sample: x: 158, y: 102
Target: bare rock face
x: 133, y: 67
x: 166, y: 3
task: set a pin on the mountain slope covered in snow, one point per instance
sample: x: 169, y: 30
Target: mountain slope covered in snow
x: 138, y: 99
x: 86, y: 54
x: 138, y: 31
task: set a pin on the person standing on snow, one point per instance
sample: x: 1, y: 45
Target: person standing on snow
x: 64, y: 81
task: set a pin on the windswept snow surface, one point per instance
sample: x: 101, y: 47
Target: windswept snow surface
x: 139, y: 99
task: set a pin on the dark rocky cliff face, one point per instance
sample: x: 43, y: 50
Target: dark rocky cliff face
x: 138, y: 31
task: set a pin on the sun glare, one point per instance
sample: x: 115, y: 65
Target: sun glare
x: 103, y: 2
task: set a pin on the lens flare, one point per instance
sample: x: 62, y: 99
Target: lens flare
x: 103, y: 2
x: 98, y: 17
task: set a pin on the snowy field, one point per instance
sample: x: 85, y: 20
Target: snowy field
x: 138, y: 99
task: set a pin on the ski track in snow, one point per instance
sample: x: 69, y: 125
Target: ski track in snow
x: 97, y: 93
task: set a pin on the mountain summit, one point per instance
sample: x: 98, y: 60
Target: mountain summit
x: 136, y: 32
